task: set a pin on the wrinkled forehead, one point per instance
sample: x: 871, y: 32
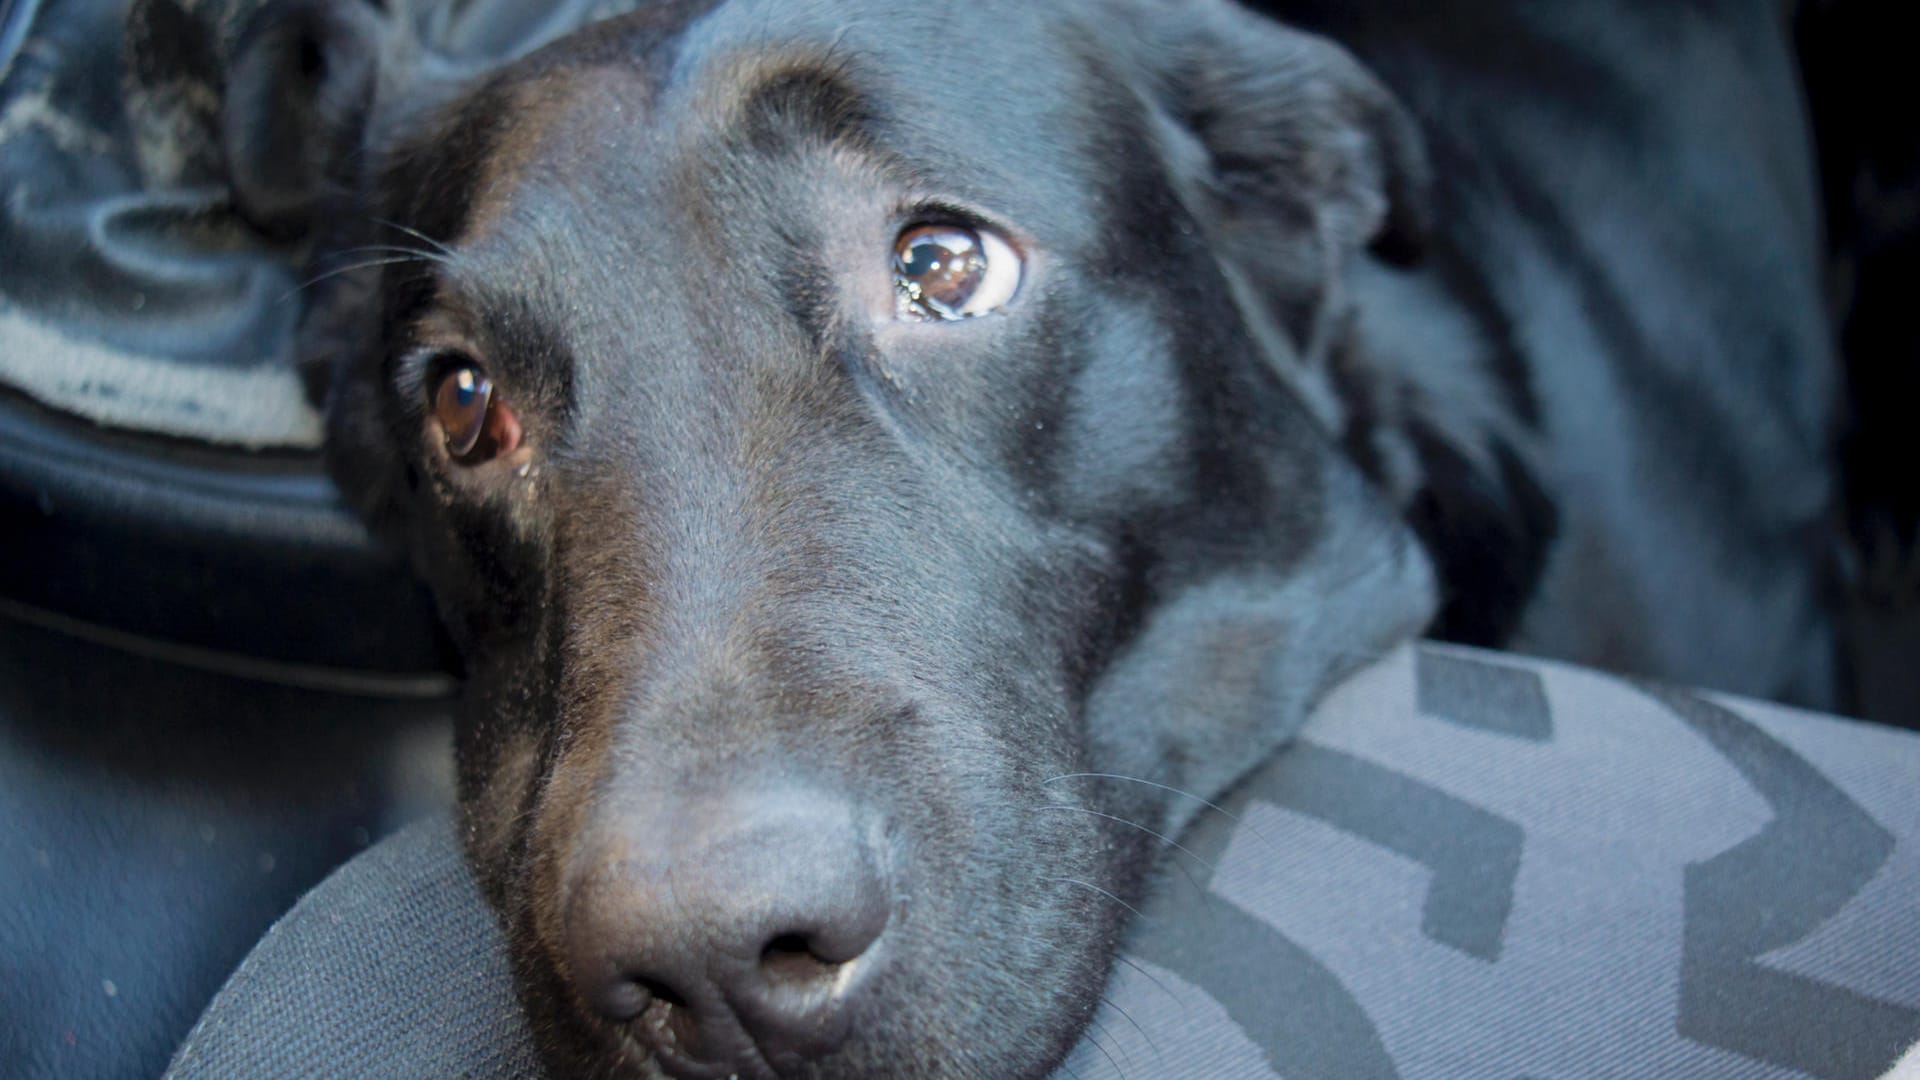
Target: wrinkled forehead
x: 1002, y: 105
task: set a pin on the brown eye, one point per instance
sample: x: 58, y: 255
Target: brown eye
x: 952, y: 272
x: 478, y: 427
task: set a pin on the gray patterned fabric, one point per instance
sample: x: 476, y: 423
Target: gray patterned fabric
x: 1466, y: 866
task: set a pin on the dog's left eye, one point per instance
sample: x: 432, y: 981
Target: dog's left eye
x: 945, y: 272
x: 478, y: 426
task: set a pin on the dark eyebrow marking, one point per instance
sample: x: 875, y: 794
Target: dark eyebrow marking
x: 807, y: 99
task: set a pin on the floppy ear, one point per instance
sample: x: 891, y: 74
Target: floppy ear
x: 1289, y: 151
x: 300, y: 93
x: 1227, y: 665
x: 315, y: 90
x: 306, y: 85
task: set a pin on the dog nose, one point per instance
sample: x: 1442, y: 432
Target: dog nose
x: 729, y: 930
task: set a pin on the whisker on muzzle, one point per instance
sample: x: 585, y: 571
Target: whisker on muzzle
x: 1089, y: 885
x: 415, y: 233
x: 1216, y: 808
x: 1052, y: 946
x: 1238, y: 821
x: 395, y: 249
x: 1152, y: 978
x: 1159, y: 1058
x: 1099, y: 1029
x: 348, y: 269
x: 1160, y: 836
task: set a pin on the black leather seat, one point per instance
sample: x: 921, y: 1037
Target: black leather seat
x: 241, y: 561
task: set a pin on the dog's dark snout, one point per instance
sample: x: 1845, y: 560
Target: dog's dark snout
x: 729, y: 930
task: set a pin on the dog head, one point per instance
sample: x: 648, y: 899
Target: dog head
x: 853, y: 446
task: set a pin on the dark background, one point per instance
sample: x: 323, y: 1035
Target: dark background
x: 1862, y: 85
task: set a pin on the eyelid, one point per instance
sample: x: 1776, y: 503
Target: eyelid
x: 914, y: 213
x: 936, y: 212
x: 418, y: 364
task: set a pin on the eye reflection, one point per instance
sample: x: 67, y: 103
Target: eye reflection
x: 946, y: 272
x: 478, y: 426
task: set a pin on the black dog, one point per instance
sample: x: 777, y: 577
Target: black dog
x: 854, y: 445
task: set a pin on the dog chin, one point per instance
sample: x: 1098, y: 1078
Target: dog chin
x: 622, y: 1056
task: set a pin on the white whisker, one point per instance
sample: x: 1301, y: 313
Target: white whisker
x: 1150, y: 977
x: 1102, y: 892
x: 1092, y: 1037
x: 1215, y: 807
x: 415, y: 233
x: 1162, y: 837
x: 394, y: 249
x: 338, y: 270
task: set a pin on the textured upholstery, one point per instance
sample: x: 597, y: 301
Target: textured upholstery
x: 1466, y: 866
x: 155, y: 820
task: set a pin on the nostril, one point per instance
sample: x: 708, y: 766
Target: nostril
x: 624, y: 1000
x: 792, y: 960
x: 783, y: 946
x: 668, y: 1020
x: 660, y: 992
x: 748, y: 937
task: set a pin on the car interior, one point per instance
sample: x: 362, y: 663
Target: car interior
x: 218, y: 695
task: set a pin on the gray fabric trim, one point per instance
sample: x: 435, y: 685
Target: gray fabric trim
x: 1397, y: 895
x: 420, y: 954
x: 132, y: 292
x: 1472, y: 855
x: 134, y: 296
x: 1303, y: 1019
x: 1492, y: 697
x: 1817, y: 853
x: 254, y: 407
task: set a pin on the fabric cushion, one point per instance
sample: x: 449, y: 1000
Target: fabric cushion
x: 1467, y: 865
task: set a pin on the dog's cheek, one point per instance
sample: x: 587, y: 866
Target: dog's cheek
x: 527, y: 766
x: 486, y: 571
x: 505, y: 739
x: 1126, y: 430
x: 498, y: 768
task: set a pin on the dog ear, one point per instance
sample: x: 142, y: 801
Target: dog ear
x: 1229, y: 663
x: 1287, y: 149
x: 299, y: 96
x: 313, y: 90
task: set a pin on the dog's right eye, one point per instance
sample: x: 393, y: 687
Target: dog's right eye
x: 478, y: 426
x: 946, y: 272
